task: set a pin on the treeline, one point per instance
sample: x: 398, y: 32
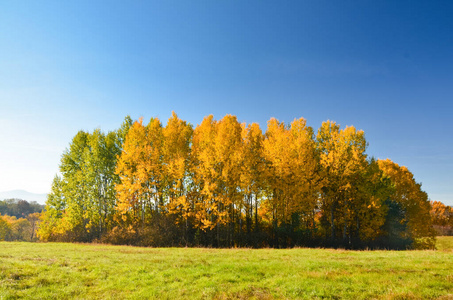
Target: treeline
x: 442, y: 216
x: 19, y: 219
x: 225, y: 184
x: 19, y: 208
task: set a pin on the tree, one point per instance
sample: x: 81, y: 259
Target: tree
x: 100, y: 178
x: 345, y: 199
x: 5, y: 229
x: 177, y: 138
x: 252, y: 177
x: 33, y: 219
x: 19, y: 208
x: 368, y: 205
x: 225, y: 183
x: 140, y: 168
x: 413, y: 202
x: 216, y: 167
x: 50, y: 228
x: 442, y: 216
x: 204, y: 168
x: 82, y: 202
x: 74, y: 189
x: 228, y: 151
x: 292, y: 178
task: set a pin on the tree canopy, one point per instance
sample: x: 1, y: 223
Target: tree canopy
x: 223, y: 184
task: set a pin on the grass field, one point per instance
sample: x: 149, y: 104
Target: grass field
x: 54, y: 270
x: 444, y: 243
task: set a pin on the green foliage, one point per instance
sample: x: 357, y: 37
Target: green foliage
x: 82, y: 201
x: 225, y: 184
x: 63, y: 271
x: 19, y: 208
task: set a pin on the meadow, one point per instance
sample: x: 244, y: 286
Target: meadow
x: 96, y: 271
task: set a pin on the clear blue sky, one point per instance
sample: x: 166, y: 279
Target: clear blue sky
x: 383, y: 66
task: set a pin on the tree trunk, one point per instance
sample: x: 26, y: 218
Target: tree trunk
x: 332, y: 223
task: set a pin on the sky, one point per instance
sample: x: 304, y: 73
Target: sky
x: 385, y: 67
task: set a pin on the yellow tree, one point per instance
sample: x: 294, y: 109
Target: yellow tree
x: 292, y: 176
x: 154, y: 165
x: 5, y: 229
x: 413, y: 203
x: 216, y: 156
x: 276, y: 172
x: 367, y: 211
x: 176, y: 154
x: 132, y: 174
x: 252, y: 173
x: 140, y: 192
x: 228, y: 152
x: 441, y: 214
x: 204, y: 196
x: 344, y: 162
x: 304, y: 190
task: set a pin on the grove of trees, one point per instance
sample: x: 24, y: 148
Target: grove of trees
x: 442, y: 216
x: 227, y: 184
x: 19, y: 208
x: 19, y: 219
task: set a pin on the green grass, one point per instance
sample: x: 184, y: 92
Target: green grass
x: 444, y: 243
x: 61, y: 271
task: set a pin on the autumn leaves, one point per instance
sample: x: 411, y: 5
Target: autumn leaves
x: 225, y: 183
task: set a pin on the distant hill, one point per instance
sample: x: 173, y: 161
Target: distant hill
x: 24, y: 195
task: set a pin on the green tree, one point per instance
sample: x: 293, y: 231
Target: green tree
x: 82, y: 201
x: 50, y: 228
x: 413, y: 203
x: 344, y: 163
